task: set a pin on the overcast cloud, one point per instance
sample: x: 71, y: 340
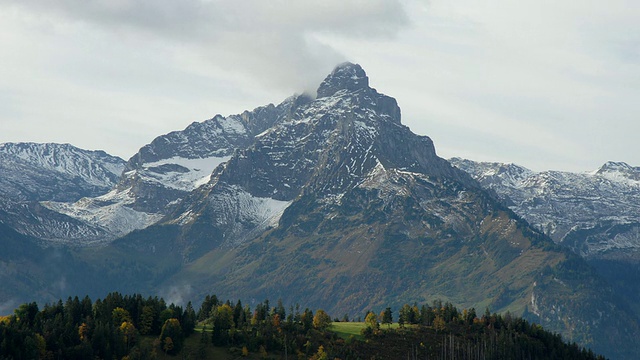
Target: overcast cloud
x: 548, y: 85
x: 269, y: 40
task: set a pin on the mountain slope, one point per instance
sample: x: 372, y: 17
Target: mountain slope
x: 596, y: 214
x: 340, y: 206
x: 34, y: 173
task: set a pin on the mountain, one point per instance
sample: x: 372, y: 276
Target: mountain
x: 29, y: 271
x: 57, y: 172
x: 593, y: 213
x: 153, y: 181
x: 176, y: 163
x: 338, y: 205
x: 332, y: 203
x: 596, y: 214
x: 35, y: 173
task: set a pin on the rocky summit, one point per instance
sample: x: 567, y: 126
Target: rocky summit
x: 331, y: 202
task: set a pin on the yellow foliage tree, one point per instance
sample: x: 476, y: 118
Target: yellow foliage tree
x: 41, y: 344
x: 320, y: 355
x: 168, y: 345
x: 371, y: 321
x: 438, y: 323
x: 128, y: 332
x: 321, y: 320
x: 120, y: 315
x: 83, y: 331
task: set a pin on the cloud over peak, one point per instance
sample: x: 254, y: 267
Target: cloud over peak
x: 271, y: 41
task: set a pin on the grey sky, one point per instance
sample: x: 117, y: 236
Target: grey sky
x: 545, y: 84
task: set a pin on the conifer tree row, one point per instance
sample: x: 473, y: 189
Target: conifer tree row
x: 134, y: 327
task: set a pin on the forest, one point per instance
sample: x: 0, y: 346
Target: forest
x: 134, y: 327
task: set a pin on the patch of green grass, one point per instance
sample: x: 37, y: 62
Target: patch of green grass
x: 347, y: 329
x: 392, y: 326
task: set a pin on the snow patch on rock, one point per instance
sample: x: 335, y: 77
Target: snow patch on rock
x: 181, y: 173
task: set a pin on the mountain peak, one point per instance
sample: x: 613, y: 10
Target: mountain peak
x: 614, y: 166
x: 619, y: 171
x: 345, y: 76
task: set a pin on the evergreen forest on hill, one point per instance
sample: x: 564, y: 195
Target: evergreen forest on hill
x: 135, y: 327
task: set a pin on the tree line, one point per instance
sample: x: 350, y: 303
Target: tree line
x: 105, y: 329
x: 135, y: 327
x: 441, y: 331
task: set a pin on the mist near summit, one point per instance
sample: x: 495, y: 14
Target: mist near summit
x: 271, y: 41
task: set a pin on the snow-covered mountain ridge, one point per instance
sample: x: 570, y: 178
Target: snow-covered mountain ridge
x: 138, y: 193
x: 61, y: 172
x: 325, y: 147
x: 593, y: 212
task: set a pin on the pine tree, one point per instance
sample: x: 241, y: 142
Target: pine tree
x: 387, y: 317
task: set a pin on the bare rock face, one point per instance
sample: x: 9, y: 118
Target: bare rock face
x: 347, y: 76
x: 325, y: 148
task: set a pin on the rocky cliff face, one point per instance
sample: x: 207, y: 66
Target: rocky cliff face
x: 325, y: 148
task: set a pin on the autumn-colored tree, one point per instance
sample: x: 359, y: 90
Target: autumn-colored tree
x: 320, y: 355
x: 128, y: 332
x: 275, y: 321
x: 167, y: 345
x: 223, y: 317
x: 222, y: 322
x: 172, y: 329
x: 120, y: 315
x: 83, y: 331
x: 371, y: 321
x: 321, y: 320
x: 438, y: 323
